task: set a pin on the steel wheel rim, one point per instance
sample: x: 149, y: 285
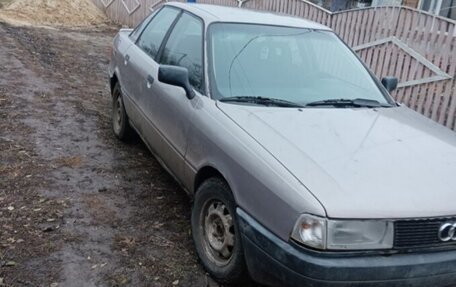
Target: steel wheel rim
x: 218, y: 232
x: 117, y: 114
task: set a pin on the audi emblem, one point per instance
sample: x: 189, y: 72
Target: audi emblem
x: 447, y: 232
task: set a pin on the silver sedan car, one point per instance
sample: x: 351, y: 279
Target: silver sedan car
x: 302, y: 169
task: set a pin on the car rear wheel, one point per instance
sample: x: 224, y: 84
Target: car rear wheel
x: 120, y: 125
x: 216, y: 233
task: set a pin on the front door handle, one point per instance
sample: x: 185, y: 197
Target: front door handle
x: 150, y: 80
x: 127, y: 59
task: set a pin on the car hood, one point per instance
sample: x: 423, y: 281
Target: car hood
x: 360, y: 163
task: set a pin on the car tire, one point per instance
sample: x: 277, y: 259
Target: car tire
x: 120, y: 125
x: 216, y: 233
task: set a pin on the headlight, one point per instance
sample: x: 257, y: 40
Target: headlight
x: 322, y: 233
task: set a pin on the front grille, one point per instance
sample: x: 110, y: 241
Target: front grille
x: 420, y: 233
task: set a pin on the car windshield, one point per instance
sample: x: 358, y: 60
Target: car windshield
x: 297, y: 65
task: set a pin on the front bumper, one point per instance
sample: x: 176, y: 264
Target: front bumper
x: 274, y: 262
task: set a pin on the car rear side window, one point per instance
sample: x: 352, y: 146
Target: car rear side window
x: 138, y: 30
x: 155, y: 32
x: 185, y: 48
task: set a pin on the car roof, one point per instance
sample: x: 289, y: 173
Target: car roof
x: 214, y: 13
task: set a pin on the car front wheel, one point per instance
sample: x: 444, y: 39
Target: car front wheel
x: 216, y: 233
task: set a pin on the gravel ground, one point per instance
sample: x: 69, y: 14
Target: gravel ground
x: 78, y: 207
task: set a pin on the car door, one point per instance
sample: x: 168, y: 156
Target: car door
x: 172, y: 110
x: 140, y: 68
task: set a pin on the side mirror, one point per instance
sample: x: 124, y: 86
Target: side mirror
x: 176, y: 76
x: 390, y: 83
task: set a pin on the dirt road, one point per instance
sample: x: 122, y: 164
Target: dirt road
x: 77, y: 207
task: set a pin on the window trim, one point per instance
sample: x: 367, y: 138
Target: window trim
x: 171, y: 27
x: 159, y: 59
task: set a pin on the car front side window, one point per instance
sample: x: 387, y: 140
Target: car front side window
x: 155, y: 32
x: 185, y: 48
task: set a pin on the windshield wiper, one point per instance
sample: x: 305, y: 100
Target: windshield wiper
x: 342, y: 103
x: 262, y: 101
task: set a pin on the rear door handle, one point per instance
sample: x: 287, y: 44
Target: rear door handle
x: 150, y: 80
x: 127, y: 59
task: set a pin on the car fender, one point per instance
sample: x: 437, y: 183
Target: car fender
x: 261, y: 186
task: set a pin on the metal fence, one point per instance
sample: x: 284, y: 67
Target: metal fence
x: 417, y: 47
